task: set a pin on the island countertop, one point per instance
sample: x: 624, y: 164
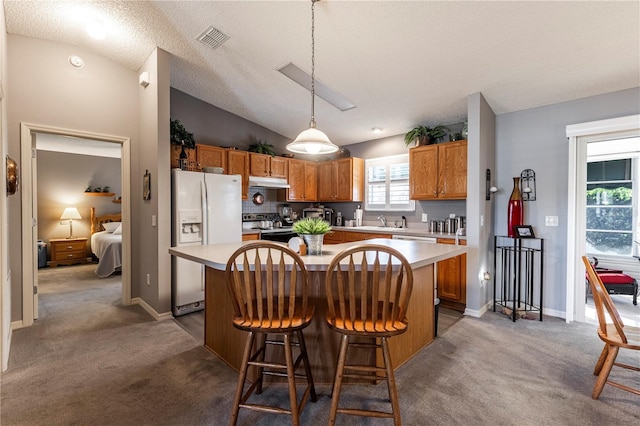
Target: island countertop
x: 418, y: 253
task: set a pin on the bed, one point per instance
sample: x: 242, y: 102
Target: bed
x: 106, y: 242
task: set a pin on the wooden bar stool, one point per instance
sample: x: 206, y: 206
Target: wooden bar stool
x: 373, y: 305
x: 268, y: 284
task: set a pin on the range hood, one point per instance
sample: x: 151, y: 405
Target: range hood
x: 268, y: 182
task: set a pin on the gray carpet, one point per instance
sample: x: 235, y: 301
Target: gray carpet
x: 91, y: 361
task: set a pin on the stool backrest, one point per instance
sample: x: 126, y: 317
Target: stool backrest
x: 374, y: 300
x: 265, y: 281
x: 603, y: 302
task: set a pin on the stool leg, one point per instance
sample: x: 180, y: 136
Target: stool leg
x: 242, y: 377
x: 391, y: 383
x: 291, y: 379
x: 263, y: 347
x: 307, y: 366
x: 337, y: 382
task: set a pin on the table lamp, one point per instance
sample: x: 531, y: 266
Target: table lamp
x: 69, y: 214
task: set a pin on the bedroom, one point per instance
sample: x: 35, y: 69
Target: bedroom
x: 66, y: 169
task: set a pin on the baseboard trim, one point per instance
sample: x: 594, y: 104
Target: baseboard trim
x: 477, y: 313
x: 16, y: 325
x: 150, y: 310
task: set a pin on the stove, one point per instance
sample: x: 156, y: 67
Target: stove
x: 265, y: 223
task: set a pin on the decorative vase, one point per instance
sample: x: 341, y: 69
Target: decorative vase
x: 515, y: 212
x: 314, y: 243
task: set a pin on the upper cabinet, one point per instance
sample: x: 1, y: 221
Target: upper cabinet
x: 341, y: 180
x: 303, y: 181
x: 266, y: 165
x: 438, y: 171
x: 211, y: 156
x: 238, y: 164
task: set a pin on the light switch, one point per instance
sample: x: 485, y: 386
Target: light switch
x: 551, y: 221
x: 154, y: 220
x: 424, y: 217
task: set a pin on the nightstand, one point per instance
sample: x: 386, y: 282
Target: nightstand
x: 68, y: 251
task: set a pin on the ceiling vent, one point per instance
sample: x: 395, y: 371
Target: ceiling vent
x: 212, y: 37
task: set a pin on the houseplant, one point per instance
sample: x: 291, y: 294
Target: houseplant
x: 312, y: 230
x: 180, y: 136
x: 424, y: 135
x: 261, y: 147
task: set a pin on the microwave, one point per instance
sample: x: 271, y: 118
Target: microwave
x: 313, y: 212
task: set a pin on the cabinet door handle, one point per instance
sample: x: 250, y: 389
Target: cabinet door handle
x: 69, y: 247
x: 69, y: 255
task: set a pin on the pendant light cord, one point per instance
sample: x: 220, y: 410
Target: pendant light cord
x: 313, y: 64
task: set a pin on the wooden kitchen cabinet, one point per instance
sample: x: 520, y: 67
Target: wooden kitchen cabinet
x: 452, y: 279
x: 68, y: 251
x: 303, y: 181
x: 334, y: 237
x: 362, y: 236
x: 211, y: 156
x: 341, y: 180
x: 438, y: 171
x: 266, y: 165
x: 238, y: 164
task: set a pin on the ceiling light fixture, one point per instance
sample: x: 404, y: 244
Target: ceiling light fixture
x: 312, y: 140
x: 76, y: 61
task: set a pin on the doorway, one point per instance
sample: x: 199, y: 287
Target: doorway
x: 580, y: 135
x: 28, y: 134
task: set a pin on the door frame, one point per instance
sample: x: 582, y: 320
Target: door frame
x: 579, y: 135
x: 29, y: 238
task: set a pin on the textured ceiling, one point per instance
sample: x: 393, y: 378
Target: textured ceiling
x: 402, y: 63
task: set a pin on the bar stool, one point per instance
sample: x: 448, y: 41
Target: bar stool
x: 373, y: 305
x: 268, y: 284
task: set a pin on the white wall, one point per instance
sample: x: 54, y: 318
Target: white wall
x: 5, y: 272
x: 536, y: 139
x: 101, y: 97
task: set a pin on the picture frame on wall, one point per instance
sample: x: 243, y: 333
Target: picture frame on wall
x: 146, y: 186
x: 524, y: 231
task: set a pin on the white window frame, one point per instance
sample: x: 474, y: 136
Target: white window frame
x: 386, y: 161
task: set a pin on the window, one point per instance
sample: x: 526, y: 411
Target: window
x: 387, y: 184
x: 612, y: 216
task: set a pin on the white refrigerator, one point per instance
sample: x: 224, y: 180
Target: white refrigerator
x: 206, y: 209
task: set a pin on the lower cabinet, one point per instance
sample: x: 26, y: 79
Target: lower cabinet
x: 452, y: 279
x: 250, y: 237
x: 337, y: 237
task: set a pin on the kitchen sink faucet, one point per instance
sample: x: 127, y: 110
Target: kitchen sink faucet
x: 383, y: 219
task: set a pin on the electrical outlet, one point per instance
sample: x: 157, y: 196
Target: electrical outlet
x: 148, y: 279
x: 424, y: 217
x: 551, y: 221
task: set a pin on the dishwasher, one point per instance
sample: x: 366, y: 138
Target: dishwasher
x: 436, y: 300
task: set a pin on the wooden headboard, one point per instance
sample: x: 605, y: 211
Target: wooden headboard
x: 97, y: 221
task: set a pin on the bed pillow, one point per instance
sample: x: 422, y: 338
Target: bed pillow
x: 118, y: 230
x: 111, y: 226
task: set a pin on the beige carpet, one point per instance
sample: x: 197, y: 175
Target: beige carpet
x: 91, y: 361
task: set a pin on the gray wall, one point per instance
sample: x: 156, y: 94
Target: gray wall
x: 100, y: 97
x: 62, y: 179
x: 536, y: 139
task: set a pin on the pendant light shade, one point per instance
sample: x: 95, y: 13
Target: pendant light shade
x: 312, y: 140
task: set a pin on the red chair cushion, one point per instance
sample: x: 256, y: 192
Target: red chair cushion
x: 613, y: 278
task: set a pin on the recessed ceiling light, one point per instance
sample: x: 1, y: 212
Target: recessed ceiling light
x: 376, y: 130
x: 96, y: 29
x: 76, y: 61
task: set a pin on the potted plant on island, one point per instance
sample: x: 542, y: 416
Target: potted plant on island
x: 424, y: 135
x: 312, y: 230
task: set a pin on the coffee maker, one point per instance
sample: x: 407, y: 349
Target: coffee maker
x: 285, y: 213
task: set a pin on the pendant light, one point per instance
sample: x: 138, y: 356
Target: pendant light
x: 312, y: 140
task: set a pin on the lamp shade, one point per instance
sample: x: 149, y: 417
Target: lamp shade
x: 70, y: 213
x: 312, y: 141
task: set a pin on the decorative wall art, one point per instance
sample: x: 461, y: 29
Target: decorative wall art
x: 146, y: 185
x: 12, y: 176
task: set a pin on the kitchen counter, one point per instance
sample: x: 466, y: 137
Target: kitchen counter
x: 227, y: 342
x: 418, y: 232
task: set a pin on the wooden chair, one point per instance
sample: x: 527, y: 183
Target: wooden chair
x: 614, y: 336
x: 268, y: 284
x: 371, y: 305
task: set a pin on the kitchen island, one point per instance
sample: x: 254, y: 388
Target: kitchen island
x: 227, y: 342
